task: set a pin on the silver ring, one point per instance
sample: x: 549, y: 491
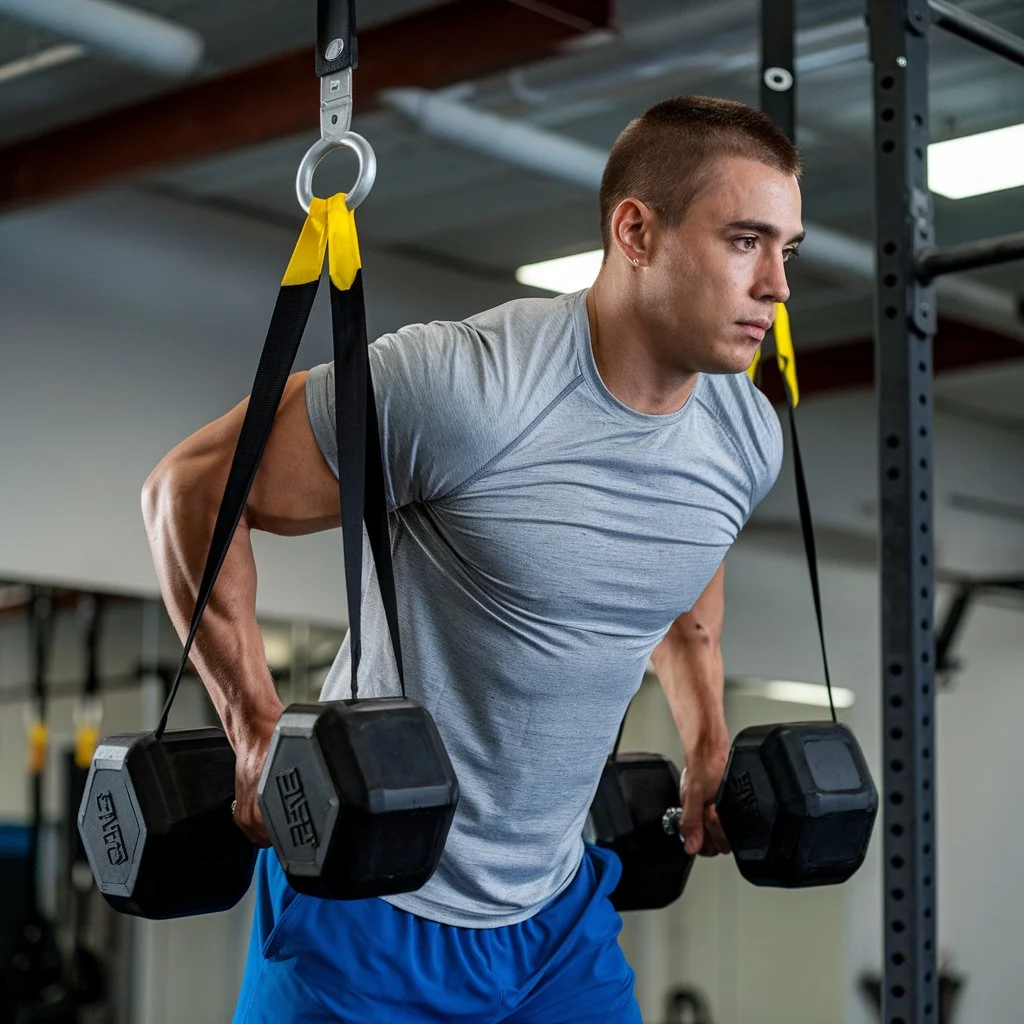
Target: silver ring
x: 778, y: 79
x: 364, y: 180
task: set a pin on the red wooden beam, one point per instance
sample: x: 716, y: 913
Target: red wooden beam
x: 440, y: 46
x: 851, y: 364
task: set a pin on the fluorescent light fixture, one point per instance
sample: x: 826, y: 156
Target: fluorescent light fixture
x: 47, y: 58
x: 566, y: 274
x: 789, y: 692
x: 976, y: 164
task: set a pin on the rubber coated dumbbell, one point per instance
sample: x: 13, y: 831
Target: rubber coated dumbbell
x: 357, y: 796
x: 797, y: 804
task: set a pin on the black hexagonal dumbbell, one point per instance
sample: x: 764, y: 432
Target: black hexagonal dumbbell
x: 155, y: 820
x: 797, y: 804
x: 358, y: 797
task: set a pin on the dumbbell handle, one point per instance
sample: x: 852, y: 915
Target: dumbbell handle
x: 671, y: 820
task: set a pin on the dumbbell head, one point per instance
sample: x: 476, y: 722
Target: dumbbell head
x: 358, y: 797
x: 155, y: 820
x: 797, y: 804
x: 626, y: 817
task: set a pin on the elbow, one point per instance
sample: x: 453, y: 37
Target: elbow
x: 153, y: 491
x: 176, y: 488
x: 695, y: 631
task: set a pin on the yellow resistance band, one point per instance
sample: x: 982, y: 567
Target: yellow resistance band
x: 785, y: 356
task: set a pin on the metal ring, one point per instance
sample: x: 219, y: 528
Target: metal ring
x: 778, y: 79
x: 364, y: 180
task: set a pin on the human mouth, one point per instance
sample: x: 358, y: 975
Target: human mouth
x: 756, y: 329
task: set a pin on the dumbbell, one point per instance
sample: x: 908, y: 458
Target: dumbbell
x: 797, y: 804
x: 356, y: 795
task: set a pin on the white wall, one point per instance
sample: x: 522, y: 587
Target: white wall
x: 128, y: 321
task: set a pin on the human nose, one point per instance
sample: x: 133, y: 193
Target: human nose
x: 773, y: 285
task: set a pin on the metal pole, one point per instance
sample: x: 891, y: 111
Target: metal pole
x: 986, y: 253
x: 905, y: 326
x: 976, y: 30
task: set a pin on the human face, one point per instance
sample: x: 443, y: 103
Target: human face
x: 711, y: 283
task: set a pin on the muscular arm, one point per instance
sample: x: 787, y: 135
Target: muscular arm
x: 689, y: 665
x: 294, y: 493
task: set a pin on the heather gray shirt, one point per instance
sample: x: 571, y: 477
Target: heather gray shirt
x: 545, y: 536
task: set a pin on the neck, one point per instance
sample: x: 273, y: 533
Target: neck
x: 627, y: 355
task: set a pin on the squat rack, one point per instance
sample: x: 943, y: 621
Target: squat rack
x: 907, y: 262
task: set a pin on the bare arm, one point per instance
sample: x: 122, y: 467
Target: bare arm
x: 294, y: 493
x: 689, y: 665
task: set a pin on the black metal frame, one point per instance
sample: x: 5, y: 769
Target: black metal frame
x: 905, y: 326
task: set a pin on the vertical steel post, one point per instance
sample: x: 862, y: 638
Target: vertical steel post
x: 905, y: 326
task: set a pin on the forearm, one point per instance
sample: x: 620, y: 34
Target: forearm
x: 180, y: 508
x: 689, y: 666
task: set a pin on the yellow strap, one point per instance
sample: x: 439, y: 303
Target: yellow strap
x: 307, y: 260
x: 87, y: 736
x: 38, y: 735
x: 343, y: 247
x: 785, y: 355
x: 329, y: 220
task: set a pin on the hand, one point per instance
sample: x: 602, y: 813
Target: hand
x: 700, y: 828
x: 250, y: 753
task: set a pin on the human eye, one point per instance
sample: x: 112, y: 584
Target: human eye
x: 790, y: 254
x: 746, y: 243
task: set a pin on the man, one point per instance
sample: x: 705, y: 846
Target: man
x: 564, y: 478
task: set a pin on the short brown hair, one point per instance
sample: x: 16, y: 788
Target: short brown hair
x: 665, y: 157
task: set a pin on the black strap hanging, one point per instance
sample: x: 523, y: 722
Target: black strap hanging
x: 359, y: 456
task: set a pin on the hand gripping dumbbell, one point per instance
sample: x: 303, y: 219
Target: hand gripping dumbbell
x: 357, y: 796
x: 797, y: 804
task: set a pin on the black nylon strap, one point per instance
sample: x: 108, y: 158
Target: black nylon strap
x: 807, y: 527
x: 291, y: 311
x: 377, y: 527
x: 360, y: 469
x: 335, y: 20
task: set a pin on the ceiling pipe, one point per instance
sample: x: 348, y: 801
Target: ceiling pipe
x: 840, y: 256
x: 137, y: 37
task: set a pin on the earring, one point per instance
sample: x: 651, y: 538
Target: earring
x: 636, y: 262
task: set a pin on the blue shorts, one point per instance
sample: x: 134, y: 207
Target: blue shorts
x: 365, y: 962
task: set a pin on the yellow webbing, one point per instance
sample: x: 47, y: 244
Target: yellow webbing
x: 785, y: 356
x: 330, y: 226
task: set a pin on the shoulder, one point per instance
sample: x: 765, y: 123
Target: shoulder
x: 453, y: 394
x: 500, y: 339
x: 509, y: 360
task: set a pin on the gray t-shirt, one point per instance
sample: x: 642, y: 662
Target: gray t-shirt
x: 545, y: 537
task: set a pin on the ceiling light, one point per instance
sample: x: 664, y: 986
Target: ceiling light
x: 567, y: 274
x: 789, y: 692
x: 48, y: 58
x: 976, y: 164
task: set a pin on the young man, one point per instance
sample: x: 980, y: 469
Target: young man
x: 564, y: 478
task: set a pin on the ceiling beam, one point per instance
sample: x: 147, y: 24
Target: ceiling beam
x: 851, y: 364
x: 437, y: 47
